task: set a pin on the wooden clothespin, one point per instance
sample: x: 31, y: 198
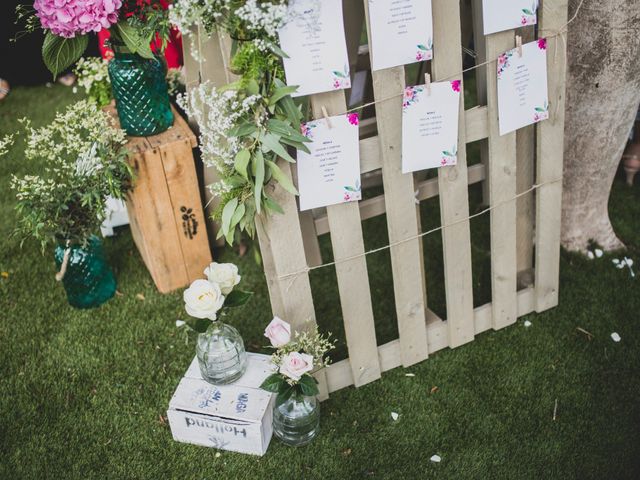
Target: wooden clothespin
x: 427, y: 83
x: 519, y: 45
x: 326, y: 116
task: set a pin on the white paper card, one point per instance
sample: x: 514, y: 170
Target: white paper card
x: 330, y: 174
x: 500, y: 15
x: 315, y: 43
x: 401, y: 32
x: 430, y: 126
x: 522, y: 86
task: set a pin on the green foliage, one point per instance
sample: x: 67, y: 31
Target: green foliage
x: 59, y: 53
x: 84, y: 162
x: 93, y: 77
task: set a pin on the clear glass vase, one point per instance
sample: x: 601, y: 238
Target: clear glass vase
x: 88, y: 279
x: 296, y: 420
x: 221, y: 354
x: 139, y: 86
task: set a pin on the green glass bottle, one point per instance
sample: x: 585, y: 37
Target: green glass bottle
x: 140, y: 88
x: 88, y: 279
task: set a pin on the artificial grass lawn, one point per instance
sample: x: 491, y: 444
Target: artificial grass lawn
x: 83, y: 393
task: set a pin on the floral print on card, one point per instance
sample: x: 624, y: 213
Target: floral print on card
x: 529, y: 15
x: 411, y: 96
x: 449, y: 157
x: 424, y: 52
x: 341, y: 79
x: 504, y: 62
x: 352, y: 193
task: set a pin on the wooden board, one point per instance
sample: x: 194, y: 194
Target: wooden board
x: 452, y: 184
x: 353, y: 279
x: 156, y: 234
x: 550, y: 150
x: 502, y: 185
x: 403, y: 216
x: 181, y: 178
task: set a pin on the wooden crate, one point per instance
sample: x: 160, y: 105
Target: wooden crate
x: 165, y: 208
x: 522, y: 229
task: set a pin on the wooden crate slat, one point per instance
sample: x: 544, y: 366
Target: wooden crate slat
x: 180, y: 173
x: 502, y: 186
x: 550, y: 149
x: 163, y: 259
x: 403, y: 216
x: 453, y: 184
x: 353, y: 279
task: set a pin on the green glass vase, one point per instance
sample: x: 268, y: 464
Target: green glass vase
x: 88, y: 279
x: 139, y: 86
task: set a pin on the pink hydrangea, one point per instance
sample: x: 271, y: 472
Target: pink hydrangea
x: 67, y: 18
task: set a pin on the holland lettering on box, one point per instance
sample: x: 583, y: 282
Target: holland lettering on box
x: 235, y: 417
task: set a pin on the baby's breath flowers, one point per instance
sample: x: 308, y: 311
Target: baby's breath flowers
x: 84, y: 161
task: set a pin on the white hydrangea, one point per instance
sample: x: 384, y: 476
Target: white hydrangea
x: 91, y: 70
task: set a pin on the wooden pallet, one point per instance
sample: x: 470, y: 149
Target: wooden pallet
x: 165, y: 207
x: 289, y: 242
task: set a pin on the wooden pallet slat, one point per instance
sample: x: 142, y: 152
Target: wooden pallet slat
x: 502, y: 186
x: 550, y: 150
x: 403, y: 216
x: 452, y: 185
x: 353, y: 280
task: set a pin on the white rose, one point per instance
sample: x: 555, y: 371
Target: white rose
x: 203, y: 299
x: 224, y: 274
x: 278, y: 332
x: 295, y: 364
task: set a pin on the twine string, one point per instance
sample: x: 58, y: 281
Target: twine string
x: 294, y: 275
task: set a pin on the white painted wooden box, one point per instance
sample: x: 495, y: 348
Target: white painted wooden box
x: 235, y: 417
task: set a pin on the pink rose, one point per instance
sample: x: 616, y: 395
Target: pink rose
x: 455, y: 85
x: 542, y: 44
x: 278, y: 332
x: 353, y: 118
x: 295, y: 364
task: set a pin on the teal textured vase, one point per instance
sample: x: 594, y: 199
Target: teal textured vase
x: 88, y: 279
x: 140, y: 88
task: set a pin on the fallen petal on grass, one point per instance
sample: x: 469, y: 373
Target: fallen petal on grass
x: 180, y: 323
x: 436, y: 458
x: 140, y: 296
x: 590, y: 255
x: 434, y: 389
x: 615, y: 337
x: 527, y: 323
x: 394, y: 416
x: 409, y: 374
x: 599, y: 253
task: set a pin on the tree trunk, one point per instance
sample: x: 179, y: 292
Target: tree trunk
x: 603, y: 94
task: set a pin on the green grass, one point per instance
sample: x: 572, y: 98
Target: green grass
x: 82, y: 393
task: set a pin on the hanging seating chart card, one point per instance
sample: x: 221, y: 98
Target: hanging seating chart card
x: 430, y: 126
x: 522, y: 86
x: 314, y: 41
x: 330, y: 173
x: 500, y: 15
x: 401, y: 32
